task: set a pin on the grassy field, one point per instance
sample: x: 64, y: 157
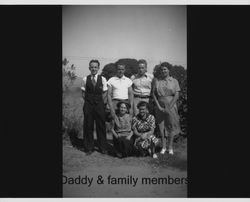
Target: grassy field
x: 76, y: 163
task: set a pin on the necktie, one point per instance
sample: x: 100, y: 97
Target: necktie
x: 93, y: 81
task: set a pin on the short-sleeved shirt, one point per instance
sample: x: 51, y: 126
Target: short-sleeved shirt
x: 167, y: 87
x: 143, y: 125
x: 142, y: 84
x: 104, y: 82
x: 119, y: 87
x: 123, y: 124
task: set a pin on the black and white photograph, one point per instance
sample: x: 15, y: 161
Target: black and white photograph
x: 124, y: 100
x: 118, y: 101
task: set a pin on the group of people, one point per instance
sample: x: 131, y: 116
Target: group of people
x: 127, y: 99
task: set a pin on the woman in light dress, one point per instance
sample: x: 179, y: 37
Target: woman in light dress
x: 165, y: 94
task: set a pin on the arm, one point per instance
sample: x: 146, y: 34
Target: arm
x: 173, y: 101
x: 147, y: 134
x: 131, y: 98
x: 131, y: 132
x: 134, y: 129
x: 155, y: 98
x: 105, y: 97
x: 110, y: 101
x: 176, y: 96
x: 83, y: 86
x: 151, y: 124
x: 83, y: 96
x: 136, y: 132
x: 130, y: 135
x: 113, y: 130
x: 105, y: 90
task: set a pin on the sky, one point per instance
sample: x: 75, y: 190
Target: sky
x: 110, y: 32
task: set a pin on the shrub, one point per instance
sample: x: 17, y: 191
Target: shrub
x: 70, y: 119
x: 109, y: 70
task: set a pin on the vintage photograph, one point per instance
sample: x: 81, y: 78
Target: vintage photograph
x: 124, y: 112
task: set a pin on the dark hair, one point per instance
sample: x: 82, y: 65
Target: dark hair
x: 118, y: 105
x: 120, y: 64
x: 95, y: 61
x: 165, y: 64
x: 142, y: 61
x: 142, y: 103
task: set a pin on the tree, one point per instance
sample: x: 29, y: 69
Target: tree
x: 109, y: 70
x: 68, y: 77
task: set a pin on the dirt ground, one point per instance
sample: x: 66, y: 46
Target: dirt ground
x: 76, y: 163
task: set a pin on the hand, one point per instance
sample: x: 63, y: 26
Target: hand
x: 131, y: 111
x: 112, y: 113
x: 117, y: 135
x: 114, y: 135
x: 162, y: 109
x: 167, y: 109
x: 171, y: 105
x: 144, y: 136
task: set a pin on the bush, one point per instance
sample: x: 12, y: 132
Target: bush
x: 70, y: 120
x: 109, y: 70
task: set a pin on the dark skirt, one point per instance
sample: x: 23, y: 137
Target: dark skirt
x: 123, y: 146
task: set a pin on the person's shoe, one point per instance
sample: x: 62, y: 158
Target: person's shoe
x: 155, y: 156
x: 119, y: 155
x: 171, y: 151
x: 149, y: 151
x: 89, y: 153
x: 143, y: 154
x: 104, y: 151
x: 163, y: 151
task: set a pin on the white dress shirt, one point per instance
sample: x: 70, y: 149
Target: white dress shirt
x: 119, y: 87
x: 142, y: 84
x: 104, y: 82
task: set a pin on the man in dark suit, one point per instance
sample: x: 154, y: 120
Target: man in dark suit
x: 94, y: 90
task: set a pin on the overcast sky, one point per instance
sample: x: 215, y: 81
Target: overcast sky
x: 109, y: 32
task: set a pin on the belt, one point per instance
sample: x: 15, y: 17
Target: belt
x: 142, y: 96
x: 115, y: 99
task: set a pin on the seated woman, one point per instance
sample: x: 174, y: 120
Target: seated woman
x: 143, y: 126
x: 121, y: 130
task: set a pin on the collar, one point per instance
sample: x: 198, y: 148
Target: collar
x: 145, y: 75
x: 139, y: 117
x: 123, y: 77
x: 170, y: 78
x: 95, y: 77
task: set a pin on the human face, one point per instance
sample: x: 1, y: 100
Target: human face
x: 94, y: 68
x: 143, y: 111
x: 142, y: 69
x: 164, y: 72
x: 123, y: 109
x: 120, y: 70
